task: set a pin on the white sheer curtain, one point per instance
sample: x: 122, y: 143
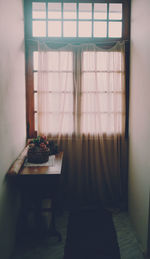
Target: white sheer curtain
x: 102, y: 92
x: 81, y: 90
x: 81, y: 102
x: 55, y: 91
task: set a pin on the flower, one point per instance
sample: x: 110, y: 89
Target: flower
x: 39, y: 144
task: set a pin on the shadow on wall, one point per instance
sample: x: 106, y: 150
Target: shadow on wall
x: 9, y: 212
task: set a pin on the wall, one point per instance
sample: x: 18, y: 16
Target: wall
x: 139, y: 129
x: 12, y: 113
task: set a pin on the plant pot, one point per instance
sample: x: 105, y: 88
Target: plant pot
x: 38, y: 157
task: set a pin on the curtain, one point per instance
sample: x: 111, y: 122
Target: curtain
x: 81, y: 103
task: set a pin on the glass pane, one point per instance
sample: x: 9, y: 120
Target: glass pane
x: 88, y: 81
x: 54, y: 121
x: 115, y: 29
x: 85, y: 29
x: 54, y: 10
x: 60, y: 102
x: 53, y: 60
x: 85, y: 11
x: 66, y: 61
x: 88, y: 61
x: 35, y: 81
x: 100, y: 29
x: 54, y: 29
x: 35, y: 60
x: 38, y: 10
x: 116, y: 61
x: 115, y: 82
x: 60, y: 61
x: 70, y: 29
x: 70, y: 11
x: 35, y: 101
x: 89, y: 102
x: 60, y: 82
x: 103, y: 61
x: 95, y: 82
x: 39, y: 29
x: 100, y: 11
x: 36, y: 121
x: 115, y: 11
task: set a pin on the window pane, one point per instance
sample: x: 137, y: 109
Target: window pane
x: 60, y: 102
x: 100, y: 11
x: 66, y: 61
x: 88, y: 61
x: 54, y: 29
x: 38, y: 10
x: 115, y: 11
x: 60, y: 61
x: 101, y: 80
x: 100, y: 102
x: 70, y: 11
x: 88, y: 80
x: 60, y: 82
x: 54, y: 10
x: 35, y: 102
x: 39, y: 29
x: 35, y: 60
x: 53, y: 60
x: 115, y: 29
x: 36, y: 121
x: 70, y: 29
x: 55, y: 120
x: 67, y: 123
x: 115, y: 82
x: 116, y: 61
x: 102, y: 60
x: 85, y: 29
x: 85, y: 11
x: 100, y: 29
x: 35, y: 81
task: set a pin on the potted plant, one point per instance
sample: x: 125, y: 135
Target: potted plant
x: 39, y: 150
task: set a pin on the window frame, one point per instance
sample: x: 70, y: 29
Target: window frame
x: 31, y: 46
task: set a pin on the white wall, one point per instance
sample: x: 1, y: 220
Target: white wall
x: 139, y: 128
x: 12, y: 113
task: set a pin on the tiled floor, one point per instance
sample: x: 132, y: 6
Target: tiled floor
x: 50, y: 248
x: 129, y: 247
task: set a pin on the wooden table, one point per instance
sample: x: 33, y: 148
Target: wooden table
x: 40, y: 182
x: 44, y: 170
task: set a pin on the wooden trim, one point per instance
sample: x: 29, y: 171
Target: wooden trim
x: 30, y: 95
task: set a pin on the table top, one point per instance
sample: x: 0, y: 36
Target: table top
x: 44, y: 170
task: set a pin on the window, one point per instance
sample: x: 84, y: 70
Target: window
x: 90, y: 20
x: 102, y: 82
x: 57, y: 24
x: 58, y: 90
x: 79, y: 90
